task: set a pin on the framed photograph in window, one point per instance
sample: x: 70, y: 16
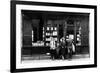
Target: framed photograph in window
x: 28, y: 19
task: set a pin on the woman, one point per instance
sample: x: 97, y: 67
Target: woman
x: 69, y: 47
x: 52, y: 48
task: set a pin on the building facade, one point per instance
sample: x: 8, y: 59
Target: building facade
x: 39, y: 26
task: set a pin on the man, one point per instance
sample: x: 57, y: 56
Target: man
x: 58, y: 50
x: 63, y: 49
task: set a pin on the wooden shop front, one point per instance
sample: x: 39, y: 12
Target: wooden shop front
x: 39, y: 26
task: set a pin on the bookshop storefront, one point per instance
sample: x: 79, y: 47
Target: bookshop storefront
x: 39, y: 26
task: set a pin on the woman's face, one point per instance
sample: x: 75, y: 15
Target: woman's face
x: 51, y: 38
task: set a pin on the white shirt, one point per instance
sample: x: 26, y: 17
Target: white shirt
x: 52, y: 44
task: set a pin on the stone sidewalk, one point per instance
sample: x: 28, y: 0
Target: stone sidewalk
x: 47, y: 57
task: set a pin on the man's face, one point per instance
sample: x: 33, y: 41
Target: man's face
x: 58, y: 44
x: 63, y: 40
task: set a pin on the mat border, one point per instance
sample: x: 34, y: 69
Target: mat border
x: 13, y: 35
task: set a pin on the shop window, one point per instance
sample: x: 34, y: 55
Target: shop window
x: 37, y: 33
x: 78, y: 33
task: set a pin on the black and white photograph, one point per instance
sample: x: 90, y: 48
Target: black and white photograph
x: 54, y: 35
x: 47, y: 35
